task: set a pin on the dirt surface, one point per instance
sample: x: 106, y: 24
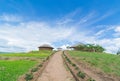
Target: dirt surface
x: 94, y: 73
x: 55, y: 70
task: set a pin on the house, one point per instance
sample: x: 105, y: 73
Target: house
x: 45, y: 47
x: 75, y: 47
x: 59, y: 49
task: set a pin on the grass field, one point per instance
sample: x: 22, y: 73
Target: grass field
x: 41, y: 54
x: 108, y: 63
x: 10, y: 70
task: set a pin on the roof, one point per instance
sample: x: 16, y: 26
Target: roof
x: 59, y: 48
x: 76, y: 45
x: 45, y: 46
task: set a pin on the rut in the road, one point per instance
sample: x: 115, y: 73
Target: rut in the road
x: 55, y: 70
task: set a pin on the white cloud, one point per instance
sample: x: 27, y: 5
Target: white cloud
x: 32, y: 34
x: 64, y: 47
x: 87, y: 18
x: 111, y: 45
x: 100, y: 32
x: 27, y: 36
x: 68, y: 18
x: 104, y: 30
x: 10, y: 18
x: 117, y: 31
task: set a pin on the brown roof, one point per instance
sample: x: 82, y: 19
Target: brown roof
x: 45, y: 46
x: 59, y: 48
x: 76, y: 45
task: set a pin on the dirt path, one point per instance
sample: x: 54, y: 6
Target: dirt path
x: 55, y: 70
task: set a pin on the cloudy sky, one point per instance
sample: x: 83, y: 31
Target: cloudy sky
x: 26, y: 24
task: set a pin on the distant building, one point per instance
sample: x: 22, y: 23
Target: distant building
x: 75, y: 47
x: 59, y: 49
x: 45, y: 47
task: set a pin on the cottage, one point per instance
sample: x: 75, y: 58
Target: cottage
x: 75, y: 47
x: 45, y: 47
x: 59, y: 49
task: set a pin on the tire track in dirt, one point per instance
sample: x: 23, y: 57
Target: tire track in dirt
x: 55, y: 70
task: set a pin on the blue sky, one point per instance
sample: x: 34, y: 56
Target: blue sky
x: 26, y: 24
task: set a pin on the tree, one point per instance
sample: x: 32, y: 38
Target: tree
x: 99, y: 48
x: 80, y: 47
x: 118, y: 52
x: 90, y: 48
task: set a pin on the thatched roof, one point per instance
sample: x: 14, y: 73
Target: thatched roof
x: 59, y: 48
x: 45, y: 46
x: 76, y: 45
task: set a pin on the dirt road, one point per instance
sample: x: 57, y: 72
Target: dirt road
x: 55, y: 70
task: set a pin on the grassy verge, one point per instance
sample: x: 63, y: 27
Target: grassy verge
x: 37, y: 54
x: 106, y: 62
x: 11, y: 70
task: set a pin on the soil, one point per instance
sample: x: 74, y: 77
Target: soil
x: 92, y: 72
x: 55, y: 70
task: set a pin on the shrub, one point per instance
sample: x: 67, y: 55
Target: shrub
x: 73, y: 64
x: 44, y: 60
x: 76, y: 68
x: 28, y: 77
x: 65, y: 57
x: 40, y: 65
x: 90, y: 79
x: 6, y: 58
x: 47, y: 58
x: 69, y: 61
x: 81, y: 75
x: 118, y: 52
x: 34, y: 69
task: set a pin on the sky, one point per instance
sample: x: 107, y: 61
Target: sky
x: 27, y: 24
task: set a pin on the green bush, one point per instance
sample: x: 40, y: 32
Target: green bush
x: 34, y: 69
x: 40, y: 65
x: 81, y: 75
x: 73, y: 64
x: 47, y: 58
x: 90, y: 79
x: 28, y: 77
x: 76, y: 68
x: 68, y: 60
x: 44, y: 60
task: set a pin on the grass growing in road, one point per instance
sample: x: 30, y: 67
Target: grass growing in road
x: 11, y: 70
x: 108, y: 63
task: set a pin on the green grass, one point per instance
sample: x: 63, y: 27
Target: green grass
x: 108, y: 63
x: 37, y: 54
x: 11, y: 70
